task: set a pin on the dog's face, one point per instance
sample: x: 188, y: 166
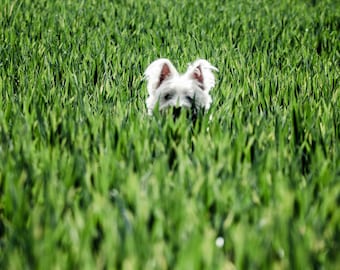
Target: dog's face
x: 168, y: 88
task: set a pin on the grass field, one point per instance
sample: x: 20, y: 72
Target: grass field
x: 89, y: 181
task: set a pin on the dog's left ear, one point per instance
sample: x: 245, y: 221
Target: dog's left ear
x: 158, y: 72
x: 202, y: 72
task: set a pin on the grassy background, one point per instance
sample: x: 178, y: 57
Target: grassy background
x: 89, y: 181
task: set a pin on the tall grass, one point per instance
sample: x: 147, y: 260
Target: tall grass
x: 89, y: 181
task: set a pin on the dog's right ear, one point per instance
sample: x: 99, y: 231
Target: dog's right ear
x: 157, y: 72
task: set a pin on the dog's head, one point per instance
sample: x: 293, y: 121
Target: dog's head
x: 170, y: 89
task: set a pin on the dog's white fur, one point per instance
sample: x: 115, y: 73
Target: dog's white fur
x: 171, y: 89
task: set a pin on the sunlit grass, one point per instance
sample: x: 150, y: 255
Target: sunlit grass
x: 89, y: 181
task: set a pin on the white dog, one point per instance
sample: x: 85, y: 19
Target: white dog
x: 168, y: 88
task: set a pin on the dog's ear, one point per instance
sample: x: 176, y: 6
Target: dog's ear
x: 157, y: 72
x: 202, y: 72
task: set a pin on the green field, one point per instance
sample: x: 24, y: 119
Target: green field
x: 89, y: 181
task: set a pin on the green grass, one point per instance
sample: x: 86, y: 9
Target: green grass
x: 89, y: 181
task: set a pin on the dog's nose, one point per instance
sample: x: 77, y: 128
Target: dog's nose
x: 176, y: 112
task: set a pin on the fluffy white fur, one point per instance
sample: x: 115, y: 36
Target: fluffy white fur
x: 171, y: 89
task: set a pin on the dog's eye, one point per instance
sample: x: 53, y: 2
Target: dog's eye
x: 167, y: 96
x: 190, y: 99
